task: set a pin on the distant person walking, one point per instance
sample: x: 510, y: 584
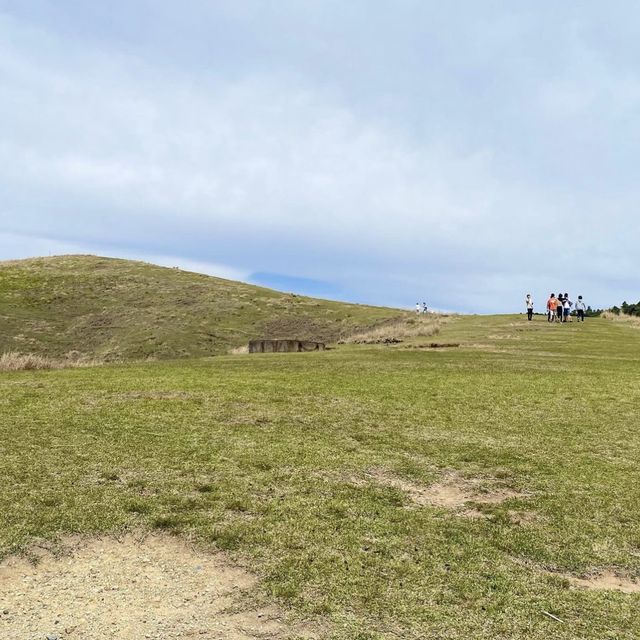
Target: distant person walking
x: 424, y: 307
x: 418, y: 308
x: 559, y: 308
x: 566, y: 307
x: 552, y: 305
x: 529, y: 302
x: 580, y: 309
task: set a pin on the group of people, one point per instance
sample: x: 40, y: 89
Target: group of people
x: 421, y: 308
x: 559, y: 308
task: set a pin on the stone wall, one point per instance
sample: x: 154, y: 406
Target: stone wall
x: 284, y: 346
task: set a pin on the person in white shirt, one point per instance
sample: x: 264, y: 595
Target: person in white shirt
x: 581, y: 307
x: 529, y: 302
x: 567, y: 304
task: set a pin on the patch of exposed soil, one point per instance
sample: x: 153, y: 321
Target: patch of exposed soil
x: 606, y: 581
x: 131, y: 589
x: 452, y: 492
x: 490, y: 348
x: 155, y: 395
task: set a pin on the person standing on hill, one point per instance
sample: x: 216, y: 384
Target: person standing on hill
x: 580, y: 309
x: 424, y: 307
x: 418, y: 307
x: 529, y: 302
x: 552, y: 305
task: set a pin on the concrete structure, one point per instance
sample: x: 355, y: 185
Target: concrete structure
x: 284, y: 346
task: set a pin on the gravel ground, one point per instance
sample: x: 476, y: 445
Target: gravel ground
x: 157, y: 587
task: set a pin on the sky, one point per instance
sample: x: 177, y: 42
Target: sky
x: 461, y: 153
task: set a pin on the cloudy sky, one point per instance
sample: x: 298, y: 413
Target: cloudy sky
x: 463, y: 153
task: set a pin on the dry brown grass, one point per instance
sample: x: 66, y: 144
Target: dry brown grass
x: 14, y: 361
x: 633, y: 321
x: 419, y: 326
x: 241, y: 350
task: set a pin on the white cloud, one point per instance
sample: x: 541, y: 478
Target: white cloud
x: 233, y: 171
x: 197, y: 266
x: 259, y: 154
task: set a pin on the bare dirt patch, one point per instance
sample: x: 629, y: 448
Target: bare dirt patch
x: 155, y: 395
x: 241, y: 350
x: 452, y: 491
x: 131, y: 589
x: 489, y: 348
x: 606, y: 581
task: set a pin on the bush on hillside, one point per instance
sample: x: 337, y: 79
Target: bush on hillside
x: 13, y: 361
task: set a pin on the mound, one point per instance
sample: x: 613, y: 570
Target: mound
x: 78, y: 307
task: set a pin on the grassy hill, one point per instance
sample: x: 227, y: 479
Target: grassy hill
x: 393, y: 491
x: 119, y: 309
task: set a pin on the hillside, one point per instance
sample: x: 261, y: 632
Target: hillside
x: 115, y: 309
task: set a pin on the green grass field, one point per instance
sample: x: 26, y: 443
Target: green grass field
x: 280, y: 460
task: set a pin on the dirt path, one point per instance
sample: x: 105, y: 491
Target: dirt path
x: 131, y: 589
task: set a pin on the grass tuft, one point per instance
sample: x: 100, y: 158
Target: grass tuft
x: 167, y: 522
x: 14, y: 361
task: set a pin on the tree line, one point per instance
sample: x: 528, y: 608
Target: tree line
x: 627, y: 309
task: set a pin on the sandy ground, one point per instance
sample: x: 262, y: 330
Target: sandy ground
x: 131, y: 589
x: 607, y: 581
x: 451, y: 492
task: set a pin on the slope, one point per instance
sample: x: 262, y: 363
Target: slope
x: 88, y: 306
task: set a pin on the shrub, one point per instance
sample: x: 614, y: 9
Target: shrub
x: 13, y: 361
